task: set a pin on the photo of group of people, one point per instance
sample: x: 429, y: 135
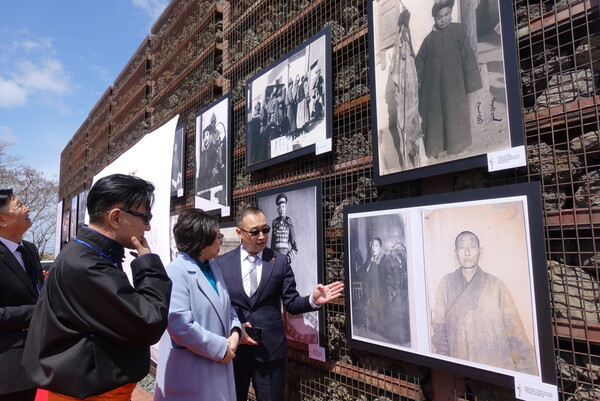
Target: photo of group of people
x: 440, y: 82
x: 287, y: 104
x: 442, y: 271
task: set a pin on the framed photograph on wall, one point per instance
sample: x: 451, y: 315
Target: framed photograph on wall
x: 177, y: 168
x: 81, y: 208
x: 294, y: 213
x: 66, y: 218
x: 464, y: 277
x: 444, y: 85
x: 213, y: 157
x: 289, y: 106
x: 173, y: 217
x: 73, y: 224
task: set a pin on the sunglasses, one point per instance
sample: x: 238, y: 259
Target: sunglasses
x: 255, y: 233
x: 147, y: 217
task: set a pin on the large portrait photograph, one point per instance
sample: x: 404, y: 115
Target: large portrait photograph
x: 213, y: 162
x: 177, y: 167
x: 444, y: 85
x: 288, y: 105
x: 295, y: 216
x: 455, y: 282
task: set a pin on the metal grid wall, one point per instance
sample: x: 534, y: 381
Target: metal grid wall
x: 559, y: 45
x: 200, y: 50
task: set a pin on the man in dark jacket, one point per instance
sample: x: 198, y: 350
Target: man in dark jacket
x: 20, y: 281
x: 92, y: 329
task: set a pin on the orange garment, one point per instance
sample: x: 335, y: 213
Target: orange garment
x: 122, y: 393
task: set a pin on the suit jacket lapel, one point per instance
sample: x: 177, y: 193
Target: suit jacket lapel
x: 268, y: 264
x: 13, y: 264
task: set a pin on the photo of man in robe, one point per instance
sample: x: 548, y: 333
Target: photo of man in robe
x: 475, y: 317
x: 439, y: 82
x: 447, y: 71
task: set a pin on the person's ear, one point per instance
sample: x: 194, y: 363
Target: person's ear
x: 113, y: 218
x: 3, y: 222
x: 238, y: 232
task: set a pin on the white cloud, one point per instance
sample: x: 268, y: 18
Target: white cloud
x: 11, y: 94
x: 151, y: 7
x: 46, y: 75
x: 33, y: 70
x: 7, y: 135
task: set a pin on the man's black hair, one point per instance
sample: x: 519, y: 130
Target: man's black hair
x: 5, y: 196
x: 118, y: 190
x: 245, y: 212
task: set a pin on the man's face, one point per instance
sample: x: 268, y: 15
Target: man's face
x: 467, y: 251
x: 375, y: 247
x: 15, y: 216
x: 253, y: 222
x: 281, y: 207
x: 443, y: 18
x: 132, y: 226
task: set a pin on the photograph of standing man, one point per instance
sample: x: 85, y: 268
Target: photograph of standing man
x: 20, y: 283
x: 475, y: 317
x: 283, y: 239
x: 259, y: 281
x: 177, y: 163
x: 447, y: 70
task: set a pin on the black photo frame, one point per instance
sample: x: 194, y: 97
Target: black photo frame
x: 303, y: 245
x: 420, y: 241
x: 417, y: 132
x: 212, y: 185
x: 289, y: 105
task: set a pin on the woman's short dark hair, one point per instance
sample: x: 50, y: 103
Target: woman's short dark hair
x: 116, y: 190
x: 194, y: 231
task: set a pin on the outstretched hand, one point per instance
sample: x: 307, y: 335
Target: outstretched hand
x: 326, y: 293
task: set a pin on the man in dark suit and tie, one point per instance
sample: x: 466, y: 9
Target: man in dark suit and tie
x: 20, y: 281
x: 259, y: 280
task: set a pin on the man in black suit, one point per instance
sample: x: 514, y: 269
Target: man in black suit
x: 258, y: 280
x: 20, y: 281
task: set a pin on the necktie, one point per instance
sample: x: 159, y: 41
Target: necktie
x: 28, y: 267
x: 253, y: 275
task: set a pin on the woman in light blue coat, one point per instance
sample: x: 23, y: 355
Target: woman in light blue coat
x: 196, y: 351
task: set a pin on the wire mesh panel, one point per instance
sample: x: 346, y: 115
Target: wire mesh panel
x: 200, y: 50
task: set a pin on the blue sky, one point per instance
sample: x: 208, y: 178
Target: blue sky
x: 56, y: 59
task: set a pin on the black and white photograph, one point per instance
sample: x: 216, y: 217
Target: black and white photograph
x: 453, y: 281
x: 444, y: 77
x: 294, y: 214
x: 173, y: 217
x: 479, y: 285
x: 213, y: 164
x: 64, y: 233
x: 73, y: 224
x: 379, y: 279
x: 288, y: 105
x: 177, y: 169
x: 81, y: 208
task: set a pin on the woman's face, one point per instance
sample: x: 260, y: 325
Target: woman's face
x: 212, y: 250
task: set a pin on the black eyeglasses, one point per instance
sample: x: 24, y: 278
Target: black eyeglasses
x: 255, y: 233
x: 147, y: 217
